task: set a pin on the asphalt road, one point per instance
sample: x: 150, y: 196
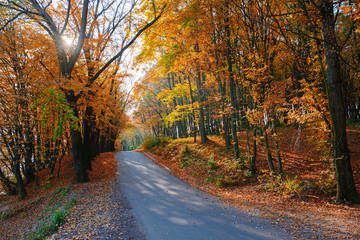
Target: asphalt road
x: 170, y: 209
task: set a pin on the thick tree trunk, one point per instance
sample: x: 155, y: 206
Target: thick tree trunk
x: 226, y: 131
x: 102, y: 144
x: 193, y: 110
x: 19, y: 181
x: 96, y: 142
x: 208, y: 127
x: 346, y: 189
x: 87, y: 142
x: 80, y: 168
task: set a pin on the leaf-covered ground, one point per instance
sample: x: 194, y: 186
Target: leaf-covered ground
x: 98, y: 209
x: 304, y: 195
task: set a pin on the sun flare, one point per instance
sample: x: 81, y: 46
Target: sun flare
x: 68, y: 41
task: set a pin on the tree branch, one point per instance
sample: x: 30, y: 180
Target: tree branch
x: 81, y: 38
x: 67, y: 18
x: 10, y: 20
x: 123, y: 49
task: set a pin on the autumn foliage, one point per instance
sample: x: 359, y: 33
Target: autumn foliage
x: 62, y: 83
x: 245, y: 69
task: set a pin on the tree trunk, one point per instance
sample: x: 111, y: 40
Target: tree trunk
x: 80, y: 169
x: 232, y: 88
x: 268, y: 152
x: 29, y: 169
x: 201, y: 108
x: 278, y: 157
x: 87, y: 142
x: 19, y: 181
x: 253, y: 158
x: 346, y: 190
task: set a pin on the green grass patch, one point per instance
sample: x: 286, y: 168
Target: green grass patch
x: 4, y: 215
x: 54, y: 214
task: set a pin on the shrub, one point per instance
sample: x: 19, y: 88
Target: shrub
x: 185, y: 163
x: 286, y: 186
x: 150, y: 142
x: 248, y: 173
x: 3, y: 215
x: 186, y: 149
x: 327, y: 183
x: 227, y: 181
x: 210, y: 179
x: 212, y: 164
x: 291, y: 186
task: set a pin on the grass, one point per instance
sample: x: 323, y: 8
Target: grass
x: 54, y: 214
x: 285, y: 185
x: 4, y: 215
x: 8, y: 213
x: 212, y: 164
x: 227, y: 181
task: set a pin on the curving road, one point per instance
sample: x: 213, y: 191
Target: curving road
x: 170, y: 209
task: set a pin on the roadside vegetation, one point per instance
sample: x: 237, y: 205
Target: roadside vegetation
x: 305, y: 191
x: 54, y: 202
x: 245, y: 71
x: 306, y: 175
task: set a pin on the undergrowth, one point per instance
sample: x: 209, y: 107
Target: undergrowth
x: 285, y: 185
x: 54, y: 214
x: 7, y: 213
x: 150, y: 142
x: 201, y: 163
x: 213, y: 164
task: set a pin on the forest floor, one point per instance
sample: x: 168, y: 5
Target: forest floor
x: 59, y: 209
x: 305, y: 192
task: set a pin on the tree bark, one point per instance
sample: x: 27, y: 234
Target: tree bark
x: 268, y: 152
x: 29, y: 168
x: 233, y: 104
x: 278, y: 156
x: 19, y: 181
x: 80, y: 168
x: 87, y: 141
x: 253, y: 158
x: 201, y: 108
x: 346, y: 190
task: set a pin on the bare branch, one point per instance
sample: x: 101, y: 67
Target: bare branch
x: 67, y: 18
x: 154, y: 7
x: 123, y: 49
x: 84, y: 17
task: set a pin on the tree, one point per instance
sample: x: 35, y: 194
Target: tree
x: 346, y: 190
x: 49, y: 18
